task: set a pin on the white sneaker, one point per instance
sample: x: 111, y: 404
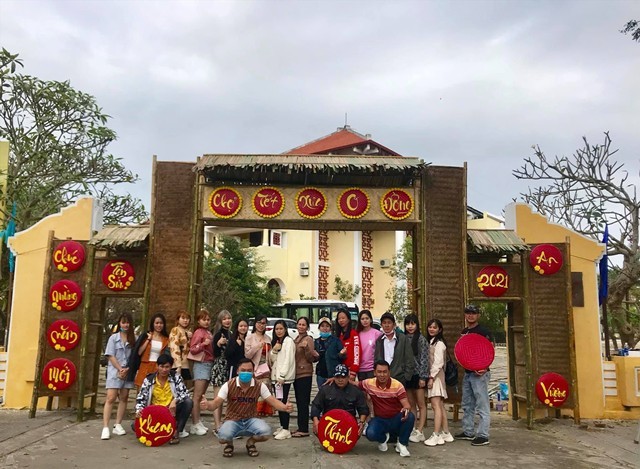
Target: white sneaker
x: 183, y: 434
x: 278, y: 430
x: 198, y: 429
x: 383, y: 446
x: 105, y: 434
x: 283, y: 434
x: 447, y: 437
x: 434, y: 440
x: 118, y: 430
x: 402, y: 450
x: 416, y: 436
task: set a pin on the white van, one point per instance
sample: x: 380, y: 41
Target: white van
x: 314, y: 310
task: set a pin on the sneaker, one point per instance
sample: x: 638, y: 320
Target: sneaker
x: 479, y: 441
x: 198, y: 429
x: 105, y: 434
x: 383, y: 446
x: 402, y: 450
x: 215, y: 433
x: 463, y: 436
x: 118, y: 430
x: 277, y: 430
x: 283, y: 434
x: 434, y: 439
x: 183, y: 434
x: 416, y: 436
x: 447, y: 437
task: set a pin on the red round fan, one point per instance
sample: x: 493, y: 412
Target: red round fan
x: 155, y: 426
x: 474, y: 352
x: 338, y: 431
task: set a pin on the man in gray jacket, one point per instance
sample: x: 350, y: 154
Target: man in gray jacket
x: 395, y: 348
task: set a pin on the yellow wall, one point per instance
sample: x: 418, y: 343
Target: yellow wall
x: 585, y: 253
x: 30, y: 248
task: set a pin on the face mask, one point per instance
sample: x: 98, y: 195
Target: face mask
x: 245, y: 376
x: 325, y: 335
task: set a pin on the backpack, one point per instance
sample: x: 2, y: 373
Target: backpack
x: 450, y: 372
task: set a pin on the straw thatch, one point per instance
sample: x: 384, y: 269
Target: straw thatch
x: 122, y: 237
x: 495, y: 241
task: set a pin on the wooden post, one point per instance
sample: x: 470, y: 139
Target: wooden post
x: 511, y: 350
x: 465, y: 256
x: 572, y: 336
x: 96, y: 361
x: 528, y: 353
x: 197, y: 245
x: 418, y: 244
x: 43, y: 325
x: 150, y: 253
x: 86, y: 308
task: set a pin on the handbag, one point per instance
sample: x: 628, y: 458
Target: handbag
x: 450, y: 372
x: 263, y: 370
x: 196, y: 357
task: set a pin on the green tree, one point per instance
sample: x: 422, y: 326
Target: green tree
x: 232, y: 279
x: 585, y: 192
x: 632, y: 27
x: 400, y: 273
x: 345, y: 290
x: 58, y: 142
x: 493, y: 316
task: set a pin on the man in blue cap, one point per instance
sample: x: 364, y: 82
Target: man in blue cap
x: 340, y: 394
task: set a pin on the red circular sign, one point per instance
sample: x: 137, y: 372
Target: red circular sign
x: 546, y: 259
x: 396, y: 204
x: 474, y: 352
x: 268, y: 202
x: 311, y: 203
x: 353, y: 203
x: 155, y: 426
x: 552, y: 389
x: 493, y: 281
x: 59, y: 374
x: 118, y: 275
x: 65, y: 295
x: 68, y: 256
x: 225, y: 202
x: 338, y: 431
x: 63, y: 335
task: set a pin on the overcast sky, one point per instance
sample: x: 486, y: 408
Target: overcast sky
x: 447, y: 81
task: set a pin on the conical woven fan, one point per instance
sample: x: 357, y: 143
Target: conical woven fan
x: 474, y: 352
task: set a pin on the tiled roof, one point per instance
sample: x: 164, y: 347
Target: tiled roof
x: 341, y: 138
x: 497, y: 241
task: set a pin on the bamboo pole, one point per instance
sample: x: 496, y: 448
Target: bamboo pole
x: 43, y: 327
x: 98, y: 354
x: 528, y: 349
x: 197, y: 239
x: 572, y: 336
x: 150, y: 251
x: 419, y: 240
x: 512, y: 359
x: 465, y: 273
x: 84, y: 340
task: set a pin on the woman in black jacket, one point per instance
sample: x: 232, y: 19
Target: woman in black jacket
x: 235, y: 347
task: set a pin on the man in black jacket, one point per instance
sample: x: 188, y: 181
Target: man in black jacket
x: 340, y: 394
x: 395, y: 349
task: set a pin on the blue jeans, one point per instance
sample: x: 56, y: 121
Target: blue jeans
x: 475, y: 399
x: 320, y: 381
x: 378, y: 427
x: 244, y: 427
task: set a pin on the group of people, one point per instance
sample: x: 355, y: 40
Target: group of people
x: 381, y: 377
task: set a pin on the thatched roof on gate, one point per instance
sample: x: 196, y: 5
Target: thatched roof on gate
x: 310, y: 169
x: 495, y: 241
x: 122, y: 237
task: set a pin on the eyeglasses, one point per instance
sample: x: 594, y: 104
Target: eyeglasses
x: 261, y: 323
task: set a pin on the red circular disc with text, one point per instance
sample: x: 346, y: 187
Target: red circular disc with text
x: 353, y: 203
x: 396, y: 204
x: 552, y: 389
x: 69, y: 256
x: 118, y: 275
x: 338, y: 431
x: 225, y: 202
x: 59, y: 374
x: 155, y: 426
x: 474, y: 352
x: 65, y: 295
x: 311, y: 203
x: 546, y: 259
x: 493, y: 281
x: 63, y: 335
x: 268, y: 202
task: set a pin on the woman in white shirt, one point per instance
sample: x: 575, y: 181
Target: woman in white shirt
x: 283, y: 371
x: 436, y: 387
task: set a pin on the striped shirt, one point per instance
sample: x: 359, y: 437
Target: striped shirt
x: 242, y: 404
x: 386, y: 401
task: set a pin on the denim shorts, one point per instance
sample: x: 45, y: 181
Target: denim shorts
x: 202, y: 370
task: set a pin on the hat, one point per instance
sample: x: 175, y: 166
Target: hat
x: 472, y: 309
x: 387, y: 315
x: 341, y: 370
x: 324, y: 319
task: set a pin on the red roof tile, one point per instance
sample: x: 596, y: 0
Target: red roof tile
x: 343, y: 137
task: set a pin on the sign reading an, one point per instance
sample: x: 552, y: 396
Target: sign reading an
x: 353, y: 203
x: 396, y: 204
x: 311, y: 203
x: 493, y: 281
x: 63, y: 335
x: 552, y: 389
x: 268, y: 202
x: 338, y: 431
x: 65, y: 295
x: 546, y: 259
x: 59, y: 374
x: 225, y: 202
x: 69, y: 256
x: 118, y: 275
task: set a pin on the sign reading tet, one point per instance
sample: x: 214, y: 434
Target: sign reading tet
x: 118, y: 275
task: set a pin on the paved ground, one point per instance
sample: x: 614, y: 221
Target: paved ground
x: 53, y: 439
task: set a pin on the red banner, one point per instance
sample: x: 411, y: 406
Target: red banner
x: 552, y: 389
x: 118, y: 275
x: 59, y: 374
x: 155, y: 426
x: 546, y: 259
x: 65, y: 295
x: 353, y: 203
x: 493, y: 281
x: 69, y: 256
x: 396, y: 204
x: 338, y: 431
x: 63, y: 335
x: 225, y: 202
x: 311, y: 203
x: 268, y: 202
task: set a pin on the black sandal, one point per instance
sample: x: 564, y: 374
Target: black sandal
x: 252, y: 450
x: 227, y: 452
x: 175, y: 440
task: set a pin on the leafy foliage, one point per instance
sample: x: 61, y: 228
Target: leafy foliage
x: 345, y: 290
x: 585, y: 192
x: 400, y: 272
x: 632, y: 27
x: 493, y: 316
x: 58, y: 142
x: 232, y: 279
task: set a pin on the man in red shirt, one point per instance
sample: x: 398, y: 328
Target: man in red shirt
x: 391, y: 408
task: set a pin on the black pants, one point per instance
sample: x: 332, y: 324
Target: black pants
x: 183, y: 412
x: 302, y: 388
x: 284, y: 416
